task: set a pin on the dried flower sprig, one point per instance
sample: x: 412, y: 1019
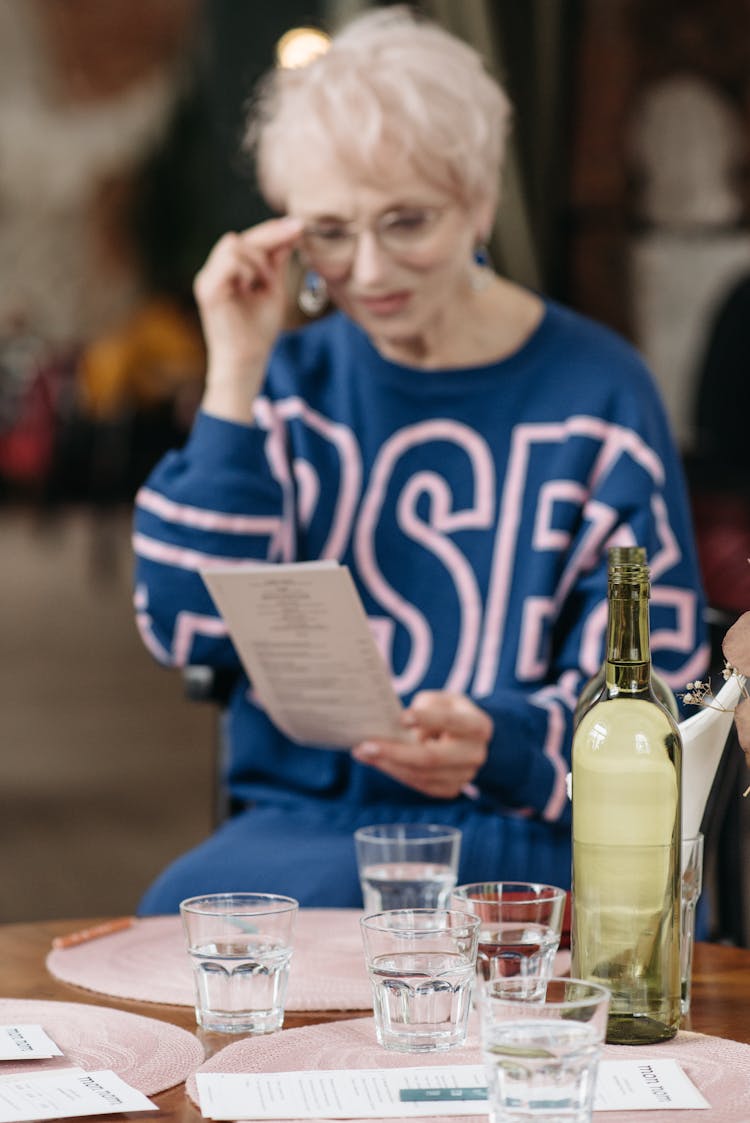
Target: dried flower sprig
x: 701, y: 693
x: 736, y: 649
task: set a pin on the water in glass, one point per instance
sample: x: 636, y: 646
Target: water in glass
x: 422, y: 999
x: 241, y: 985
x: 543, y: 1070
x: 405, y: 885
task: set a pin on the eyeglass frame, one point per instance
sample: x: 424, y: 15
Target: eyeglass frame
x: 342, y: 253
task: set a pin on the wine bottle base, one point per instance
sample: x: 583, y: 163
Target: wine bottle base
x: 637, y: 1029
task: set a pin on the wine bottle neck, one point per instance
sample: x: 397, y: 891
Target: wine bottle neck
x: 628, y: 664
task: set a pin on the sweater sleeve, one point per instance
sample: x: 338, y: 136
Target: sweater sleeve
x: 639, y: 498
x: 214, y: 501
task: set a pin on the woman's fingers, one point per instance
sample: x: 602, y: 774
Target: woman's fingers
x: 436, y: 767
x: 247, y: 262
x: 436, y: 712
x: 274, y: 233
x: 440, y: 782
x: 433, y: 754
x: 241, y: 293
x: 449, y: 746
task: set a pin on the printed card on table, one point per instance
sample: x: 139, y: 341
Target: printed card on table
x: 26, y: 1043
x: 65, y: 1093
x: 644, y: 1085
x: 336, y: 1094
x: 640, y: 1085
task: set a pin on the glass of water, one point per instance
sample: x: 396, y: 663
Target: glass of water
x: 407, y: 865
x: 519, y: 934
x: 422, y: 965
x: 541, y: 1057
x: 240, y: 945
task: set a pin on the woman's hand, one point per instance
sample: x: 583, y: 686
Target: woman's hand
x: 742, y: 721
x: 241, y: 293
x: 451, y: 739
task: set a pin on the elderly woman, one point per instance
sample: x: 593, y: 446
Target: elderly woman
x: 466, y: 447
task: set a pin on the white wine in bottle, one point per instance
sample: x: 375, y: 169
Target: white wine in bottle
x: 627, y: 761
x: 624, y: 555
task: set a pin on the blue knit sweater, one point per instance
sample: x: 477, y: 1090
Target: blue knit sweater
x: 473, y: 507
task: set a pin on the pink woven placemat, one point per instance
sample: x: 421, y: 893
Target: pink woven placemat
x: 720, y: 1069
x: 149, y: 1055
x: 148, y: 963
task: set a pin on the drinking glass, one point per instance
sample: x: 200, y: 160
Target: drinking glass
x: 240, y: 945
x: 519, y: 934
x: 692, y: 884
x: 541, y: 1057
x: 422, y: 964
x: 407, y: 865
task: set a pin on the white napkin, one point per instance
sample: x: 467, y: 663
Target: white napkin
x: 704, y: 735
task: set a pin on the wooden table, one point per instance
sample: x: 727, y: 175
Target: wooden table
x: 721, y: 999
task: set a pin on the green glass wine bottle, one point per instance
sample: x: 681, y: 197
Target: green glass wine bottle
x: 626, y: 787
x: 624, y: 555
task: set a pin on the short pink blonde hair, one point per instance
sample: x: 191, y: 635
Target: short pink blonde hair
x: 390, y: 85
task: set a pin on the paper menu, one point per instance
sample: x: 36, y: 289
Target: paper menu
x: 26, y: 1043
x: 335, y: 1094
x: 640, y: 1085
x: 304, y: 639
x: 66, y: 1093
x: 645, y: 1085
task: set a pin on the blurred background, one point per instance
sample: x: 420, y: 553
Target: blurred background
x: 627, y: 196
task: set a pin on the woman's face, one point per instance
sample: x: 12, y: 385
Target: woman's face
x: 396, y: 256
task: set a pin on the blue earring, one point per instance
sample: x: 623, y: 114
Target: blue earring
x: 481, y: 268
x: 482, y: 257
x: 313, y: 296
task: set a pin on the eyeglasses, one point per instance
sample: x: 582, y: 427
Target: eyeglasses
x: 399, y: 231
